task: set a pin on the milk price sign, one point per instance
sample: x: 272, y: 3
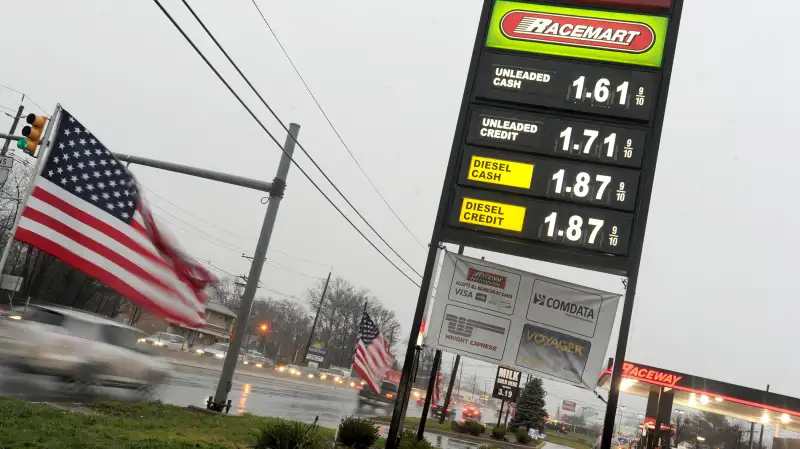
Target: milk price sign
x: 506, y: 384
x: 558, y: 133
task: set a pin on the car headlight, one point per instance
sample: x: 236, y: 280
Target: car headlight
x: 323, y: 377
x: 282, y: 369
x: 310, y: 376
x: 259, y: 365
x: 353, y: 384
x: 246, y: 362
x: 219, y: 356
x: 199, y: 351
x: 337, y: 379
x: 141, y: 340
x: 158, y: 343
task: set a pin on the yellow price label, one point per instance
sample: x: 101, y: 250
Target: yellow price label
x: 493, y: 215
x: 498, y: 171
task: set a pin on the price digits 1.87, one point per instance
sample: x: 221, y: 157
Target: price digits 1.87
x: 604, y: 92
x: 576, y: 231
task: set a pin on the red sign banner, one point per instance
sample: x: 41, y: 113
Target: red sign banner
x: 662, y: 5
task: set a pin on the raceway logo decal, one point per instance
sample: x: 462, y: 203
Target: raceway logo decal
x: 621, y: 37
x: 628, y: 37
x: 486, y: 278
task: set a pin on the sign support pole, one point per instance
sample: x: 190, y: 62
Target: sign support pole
x: 452, y: 384
x: 437, y: 360
x: 640, y: 221
x: 316, y: 317
x: 500, y: 415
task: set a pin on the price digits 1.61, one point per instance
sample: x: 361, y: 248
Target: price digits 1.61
x: 608, y: 146
x: 576, y: 231
x: 603, y: 92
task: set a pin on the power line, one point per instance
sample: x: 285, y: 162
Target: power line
x: 24, y: 97
x: 227, y: 231
x: 272, y: 137
x: 195, y: 216
x: 227, y: 245
x: 275, y: 115
x: 324, y: 114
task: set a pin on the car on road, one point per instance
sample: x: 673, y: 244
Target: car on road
x: 309, y: 372
x: 383, y: 401
x: 471, y: 412
x: 217, y: 350
x: 450, y: 412
x: 294, y: 370
x: 80, y: 349
x: 420, y: 399
x: 165, y: 340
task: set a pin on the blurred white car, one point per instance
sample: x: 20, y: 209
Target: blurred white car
x: 80, y: 348
x: 217, y: 350
x: 165, y: 340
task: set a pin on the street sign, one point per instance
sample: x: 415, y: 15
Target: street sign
x: 506, y: 384
x: 6, y: 164
x: 314, y: 357
x: 558, y: 134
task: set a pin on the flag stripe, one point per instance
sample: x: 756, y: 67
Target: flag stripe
x: 96, y: 271
x: 372, y: 358
x: 145, y: 264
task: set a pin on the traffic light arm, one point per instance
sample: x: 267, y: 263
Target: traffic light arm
x: 10, y: 137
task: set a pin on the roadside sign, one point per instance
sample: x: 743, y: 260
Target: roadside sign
x: 314, y: 357
x: 568, y: 406
x: 558, y: 134
x: 520, y: 320
x: 506, y: 384
x: 6, y: 164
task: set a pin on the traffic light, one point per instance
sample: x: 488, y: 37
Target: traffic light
x: 33, y: 133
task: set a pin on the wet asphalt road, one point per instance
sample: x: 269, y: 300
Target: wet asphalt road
x: 271, y: 396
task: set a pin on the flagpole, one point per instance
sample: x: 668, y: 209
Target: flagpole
x: 37, y: 169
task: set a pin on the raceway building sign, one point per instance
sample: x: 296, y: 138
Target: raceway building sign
x: 521, y: 320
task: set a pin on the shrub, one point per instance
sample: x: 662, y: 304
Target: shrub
x: 499, y: 432
x: 456, y: 426
x: 289, y: 435
x: 522, y: 436
x: 409, y: 441
x: 473, y: 427
x: 357, y: 433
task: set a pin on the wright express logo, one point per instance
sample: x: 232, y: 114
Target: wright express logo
x: 580, y: 33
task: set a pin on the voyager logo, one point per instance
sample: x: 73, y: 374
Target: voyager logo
x: 601, y: 34
x: 580, y: 312
x: 486, y: 278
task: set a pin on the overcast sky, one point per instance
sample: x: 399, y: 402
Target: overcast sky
x: 717, y: 290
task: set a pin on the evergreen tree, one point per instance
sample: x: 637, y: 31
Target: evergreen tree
x: 530, y: 412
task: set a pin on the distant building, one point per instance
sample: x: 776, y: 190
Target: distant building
x: 219, y: 317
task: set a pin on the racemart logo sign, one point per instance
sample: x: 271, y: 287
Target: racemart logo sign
x: 628, y: 37
x: 621, y: 37
x: 486, y: 278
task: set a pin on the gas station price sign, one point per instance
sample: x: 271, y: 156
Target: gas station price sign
x: 558, y: 133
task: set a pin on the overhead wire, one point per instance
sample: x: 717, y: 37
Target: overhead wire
x: 227, y: 231
x: 277, y: 143
x: 24, y: 96
x: 336, y: 131
x: 283, y: 125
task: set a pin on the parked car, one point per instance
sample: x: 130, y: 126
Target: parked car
x: 165, y: 340
x: 383, y: 401
x: 80, y: 349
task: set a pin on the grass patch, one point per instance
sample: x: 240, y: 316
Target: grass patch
x: 557, y: 438
x: 124, y: 426
x: 431, y: 423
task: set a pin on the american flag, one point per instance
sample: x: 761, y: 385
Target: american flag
x: 86, y: 209
x: 373, y: 359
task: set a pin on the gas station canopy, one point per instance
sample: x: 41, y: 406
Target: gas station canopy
x: 710, y: 395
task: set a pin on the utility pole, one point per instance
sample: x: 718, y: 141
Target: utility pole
x: 450, y: 387
x: 761, y: 434
x: 275, y: 195
x: 13, y: 128
x: 316, y: 317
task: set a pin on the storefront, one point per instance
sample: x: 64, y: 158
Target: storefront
x: 667, y: 389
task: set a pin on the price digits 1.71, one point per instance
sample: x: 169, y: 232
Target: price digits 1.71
x: 591, y: 135
x: 576, y: 231
x: 603, y: 92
